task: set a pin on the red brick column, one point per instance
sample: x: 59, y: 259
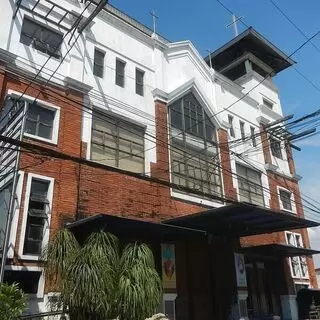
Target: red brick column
x: 265, y: 144
x: 290, y: 159
x: 229, y: 190
x: 160, y: 169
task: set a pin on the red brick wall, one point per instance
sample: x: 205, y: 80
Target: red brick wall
x: 65, y: 173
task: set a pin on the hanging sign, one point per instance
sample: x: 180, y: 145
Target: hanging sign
x: 168, y: 266
x: 240, y: 269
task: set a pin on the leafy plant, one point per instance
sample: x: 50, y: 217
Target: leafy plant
x: 100, y: 280
x: 12, y: 302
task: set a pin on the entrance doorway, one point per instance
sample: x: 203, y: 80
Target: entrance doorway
x: 263, y: 297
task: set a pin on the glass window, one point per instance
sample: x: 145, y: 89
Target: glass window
x: 285, y: 198
x: 243, y: 134
x: 250, y: 187
x: 253, y: 136
x: 98, y: 63
x: 28, y: 280
x: 139, y: 82
x: 38, y: 209
x: 299, y: 267
x: 120, y: 72
x: 39, y: 121
x: 230, y: 120
x: 41, y: 37
x: 267, y: 103
x: 194, y: 157
x: 117, y: 143
x: 275, y: 146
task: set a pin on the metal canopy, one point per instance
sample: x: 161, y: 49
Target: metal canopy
x: 127, y: 228
x: 250, y: 41
x: 49, y: 11
x: 241, y: 220
x: 281, y: 250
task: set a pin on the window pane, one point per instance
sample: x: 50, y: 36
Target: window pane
x: 39, y: 187
x: 285, y: 198
x: 98, y: 63
x: 117, y: 143
x: 176, y: 115
x: 120, y: 73
x: 250, y: 188
x: 139, y: 82
x: 242, y: 130
x: 39, y: 121
x: 42, y: 38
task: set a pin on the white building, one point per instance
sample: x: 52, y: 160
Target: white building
x: 122, y: 69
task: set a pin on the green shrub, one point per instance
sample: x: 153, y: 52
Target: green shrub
x: 12, y: 302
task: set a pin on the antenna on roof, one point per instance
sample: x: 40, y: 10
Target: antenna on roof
x: 234, y: 22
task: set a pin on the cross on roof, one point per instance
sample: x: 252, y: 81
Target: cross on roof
x: 154, y: 19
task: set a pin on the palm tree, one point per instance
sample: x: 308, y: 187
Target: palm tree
x: 101, y: 279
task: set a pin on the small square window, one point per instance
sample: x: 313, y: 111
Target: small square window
x: 120, y: 73
x: 139, y: 82
x: 41, y: 37
x: 98, y: 63
x: 39, y: 121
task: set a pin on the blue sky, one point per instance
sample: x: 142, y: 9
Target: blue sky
x: 203, y: 22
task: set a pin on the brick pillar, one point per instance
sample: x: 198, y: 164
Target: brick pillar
x: 229, y: 190
x: 161, y: 168
x: 265, y: 144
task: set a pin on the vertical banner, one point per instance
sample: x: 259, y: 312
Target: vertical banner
x: 168, y: 266
x: 240, y: 269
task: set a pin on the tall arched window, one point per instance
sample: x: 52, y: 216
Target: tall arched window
x: 194, y: 156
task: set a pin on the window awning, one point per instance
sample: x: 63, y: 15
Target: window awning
x: 241, y: 220
x: 127, y: 228
x: 282, y: 250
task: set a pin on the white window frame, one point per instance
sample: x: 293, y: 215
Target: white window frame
x: 292, y: 199
x: 40, y: 292
x: 25, y: 214
x: 45, y: 105
x: 289, y: 259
